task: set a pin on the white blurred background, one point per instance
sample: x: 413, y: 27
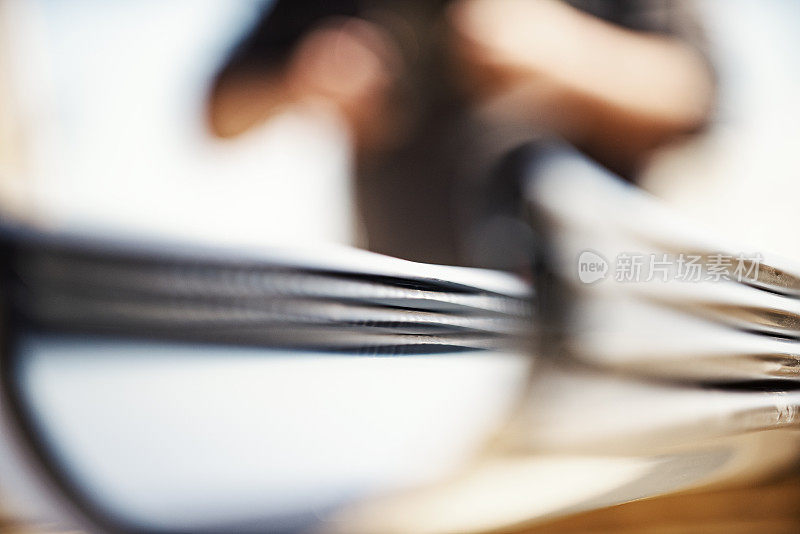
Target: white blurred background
x: 742, y: 177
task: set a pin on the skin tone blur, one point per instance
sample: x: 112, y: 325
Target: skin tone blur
x: 528, y: 60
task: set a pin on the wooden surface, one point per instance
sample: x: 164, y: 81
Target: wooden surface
x: 767, y: 508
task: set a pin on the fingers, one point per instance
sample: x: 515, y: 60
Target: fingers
x: 352, y: 65
x: 617, y: 91
x: 346, y: 64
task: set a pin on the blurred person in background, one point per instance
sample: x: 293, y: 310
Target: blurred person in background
x: 435, y: 94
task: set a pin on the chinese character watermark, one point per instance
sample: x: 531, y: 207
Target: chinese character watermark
x: 632, y: 267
